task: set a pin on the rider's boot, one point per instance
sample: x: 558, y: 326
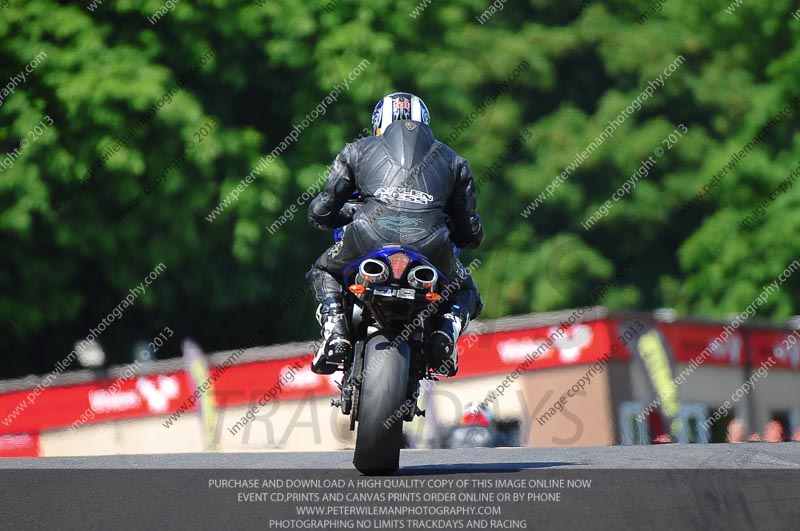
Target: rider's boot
x: 443, y: 340
x: 336, y: 345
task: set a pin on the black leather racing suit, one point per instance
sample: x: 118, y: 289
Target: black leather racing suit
x: 417, y: 192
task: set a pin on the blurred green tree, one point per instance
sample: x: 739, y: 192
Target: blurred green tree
x: 64, y: 264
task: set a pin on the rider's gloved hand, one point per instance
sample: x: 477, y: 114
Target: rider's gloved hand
x: 349, y: 210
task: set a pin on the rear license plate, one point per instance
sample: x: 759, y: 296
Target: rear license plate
x: 406, y: 293
x: 384, y: 291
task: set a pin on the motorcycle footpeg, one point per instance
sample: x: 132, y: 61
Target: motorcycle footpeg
x: 323, y: 367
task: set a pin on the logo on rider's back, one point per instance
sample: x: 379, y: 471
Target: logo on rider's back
x: 398, y: 193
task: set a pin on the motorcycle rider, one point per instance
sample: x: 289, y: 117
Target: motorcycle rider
x: 416, y: 192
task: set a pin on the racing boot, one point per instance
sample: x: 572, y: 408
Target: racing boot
x: 442, y: 345
x: 336, y: 345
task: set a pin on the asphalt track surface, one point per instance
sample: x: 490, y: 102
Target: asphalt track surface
x: 667, y: 487
x: 669, y: 456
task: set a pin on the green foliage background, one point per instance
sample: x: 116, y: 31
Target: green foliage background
x: 63, y: 270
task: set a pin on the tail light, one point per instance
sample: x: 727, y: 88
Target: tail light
x: 373, y: 270
x: 422, y: 277
x: 357, y: 289
x: 399, y: 262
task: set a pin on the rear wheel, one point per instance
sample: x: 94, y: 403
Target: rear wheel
x: 380, y: 416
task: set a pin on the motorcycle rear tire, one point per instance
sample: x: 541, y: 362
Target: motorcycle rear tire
x: 383, y: 392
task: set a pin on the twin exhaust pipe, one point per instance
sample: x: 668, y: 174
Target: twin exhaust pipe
x: 374, y: 272
x: 423, y: 277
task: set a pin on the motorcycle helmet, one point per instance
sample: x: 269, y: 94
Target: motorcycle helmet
x: 398, y: 106
x: 476, y: 414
